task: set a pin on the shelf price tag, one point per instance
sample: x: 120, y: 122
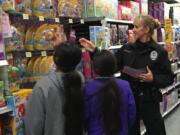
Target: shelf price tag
x: 70, y: 20
x: 25, y: 16
x: 103, y: 21
x: 43, y: 53
x: 41, y: 18
x: 82, y: 21
x: 28, y: 54
x: 57, y: 20
x: 9, y: 56
x: 83, y: 50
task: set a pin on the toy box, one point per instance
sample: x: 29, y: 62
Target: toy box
x: 134, y: 6
x: 96, y: 35
x: 107, y: 8
x: 18, y: 101
x: 126, y: 13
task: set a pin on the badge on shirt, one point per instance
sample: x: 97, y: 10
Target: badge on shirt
x: 153, y: 55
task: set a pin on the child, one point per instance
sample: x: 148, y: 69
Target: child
x: 109, y: 106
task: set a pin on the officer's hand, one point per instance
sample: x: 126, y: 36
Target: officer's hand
x: 88, y: 45
x: 147, y: 77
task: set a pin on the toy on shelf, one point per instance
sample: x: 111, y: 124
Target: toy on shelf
x: 24, y: 6
x: 15, y: 125
x: 13, y: 78
x: 7, y: 4
x: 43, y: 38
x: 45, y: 8
x: 16, y: 42
x: 2, y: 99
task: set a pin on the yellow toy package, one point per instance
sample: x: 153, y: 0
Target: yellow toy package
x: 15, y: 125
x: 29, y: 39
x: 7, y: 4
x: 45, y: 8
x: 44, y: 36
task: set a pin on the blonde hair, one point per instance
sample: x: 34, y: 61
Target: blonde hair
x: 148, y: 21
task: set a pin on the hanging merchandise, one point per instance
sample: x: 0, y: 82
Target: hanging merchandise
x: 72, y: 36
x: 16, y: 42
x: 13, y: 78
x: 123, y: 34
x: 2, y: 55
x: 45, y: 8
x: 114, y: 38
x: 7, y: 4
x: 29, y: 40
x: 24, y: 6
x: 2, y: 99
x: 168, y: 35
x: 43, y: 38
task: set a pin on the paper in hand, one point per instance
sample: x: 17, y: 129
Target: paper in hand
x: 132, y: 71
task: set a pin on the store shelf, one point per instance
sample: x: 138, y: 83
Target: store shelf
x: 170, y: 88
x: 5, y: 109
x: 94, y: 19
x: 3, y: 63
x: 115, y: 47
x: 165, y: 114
x: 118, y: 21
x: 177, y: 71
x: 25, y: 53
x: 171, y: 109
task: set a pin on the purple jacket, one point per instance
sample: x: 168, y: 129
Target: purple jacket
x: 92, y: 109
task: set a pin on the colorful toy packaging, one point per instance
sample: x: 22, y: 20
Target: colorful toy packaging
x: 16, y: 42
x: 45, y: 8
x: 2, y: 100
x: 18, y: 102
x: 24, y: 6
x: 123, y: 34
x: 7, y: 4
x: 107, y: 8
x: 43, y: 38
x: 13, y: 78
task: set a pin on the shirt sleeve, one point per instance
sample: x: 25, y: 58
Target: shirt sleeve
x: 164, y: 76
x: 35, y: 113
x: 131, y: 107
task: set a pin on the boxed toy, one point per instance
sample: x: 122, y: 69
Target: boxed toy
x: 134, y: 6
x: 107, y: 8
x: 2, y: 99
x: 123, y: 34
x: 7, y: 4
x: 126, y: 13
x: 18, y: 102
x: 96, y: 35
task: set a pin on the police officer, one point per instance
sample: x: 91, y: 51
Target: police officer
x: 152, y: 59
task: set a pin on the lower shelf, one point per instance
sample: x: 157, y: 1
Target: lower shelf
x: 5, y: 109
x: 165, y: 114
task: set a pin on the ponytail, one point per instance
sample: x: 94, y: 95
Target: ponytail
x: 73, y: 108
x: 111, y: 107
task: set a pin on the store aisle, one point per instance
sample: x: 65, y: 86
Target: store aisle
x: 172, y: 122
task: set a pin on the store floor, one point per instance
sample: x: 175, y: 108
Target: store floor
x: 172, y: 122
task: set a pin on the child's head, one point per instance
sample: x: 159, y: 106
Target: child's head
x: 67, y: 56
x: 105, y: 63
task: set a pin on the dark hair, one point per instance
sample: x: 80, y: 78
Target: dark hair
x: 105, y: 65
x: 66, y: 57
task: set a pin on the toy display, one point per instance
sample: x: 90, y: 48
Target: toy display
x: 2, y: 99
x: 99, y: 8
x: 7, y: 4
x: 18, y: 101
x: 123, y: 34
